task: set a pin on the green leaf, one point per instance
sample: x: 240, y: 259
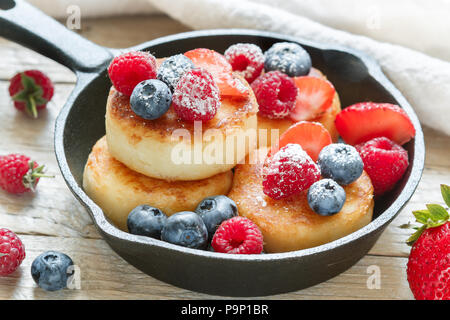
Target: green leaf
x: 413, y: 238
x: 28, y: 83
x: 422, y: 216
x: 21, y: 96
x: 438, y: 212
x: 40, y: 101
x: 445, y: 190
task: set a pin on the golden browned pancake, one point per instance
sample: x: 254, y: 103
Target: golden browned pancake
x: 327, y: 119
x: 117, y: 189
x: 156, y: 147
x: 290, y: 224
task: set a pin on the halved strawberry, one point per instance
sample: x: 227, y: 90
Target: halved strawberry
x: 364, y: 121
x: 311, y: 136
x: 315, y: 96
x: 220, y: 69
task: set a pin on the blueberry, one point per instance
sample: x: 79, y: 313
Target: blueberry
x: 151, y: 99
x: 340, y: 162
x: 287, y: 57
x: 215, y: 210
x: 173, y: 68
x: 186, y: 229
x: 326, y: 197
x: 51, y: 270
x: 146, y: 221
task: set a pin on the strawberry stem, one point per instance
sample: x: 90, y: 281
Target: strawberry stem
x: 434, y: 216
x: 31, y: 107
x: 30, y: 179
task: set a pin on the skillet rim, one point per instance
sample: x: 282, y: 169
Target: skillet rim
x: 379, y: 223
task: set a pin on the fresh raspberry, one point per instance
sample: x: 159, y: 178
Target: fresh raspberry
x: 247, y: 59
x: 288, y: 172
x: 428, y: 267
x: 12, y: 252
x: 238, y: 235
x: 275, y: 93
x: 128, y: 69
x: 384, y: 161
x: 31, y: 90
x: 196, y: 96
x: 19, y: 174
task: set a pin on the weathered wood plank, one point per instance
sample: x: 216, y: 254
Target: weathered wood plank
x: 104, y: 275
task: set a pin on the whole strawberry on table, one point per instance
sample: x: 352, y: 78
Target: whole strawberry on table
x: 19, y: 174
x: 428, y: 267
x: 31, y: 90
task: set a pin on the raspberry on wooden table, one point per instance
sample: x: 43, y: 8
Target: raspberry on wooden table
x: 12, y: 252
x: 19, y: 174
x: 238, y: 235
x: 31, y: 90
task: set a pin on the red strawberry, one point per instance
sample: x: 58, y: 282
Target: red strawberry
x: 221, y: 70
x: 315, y: 96
x: 367, y: 120
x: 311, y: 136
x: 384, y: 161
x: 288, y: 172
x: 19, y: 174
x: 428, y: 267
x: 31, y: 90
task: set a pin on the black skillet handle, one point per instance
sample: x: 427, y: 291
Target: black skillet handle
x: 22, y: 23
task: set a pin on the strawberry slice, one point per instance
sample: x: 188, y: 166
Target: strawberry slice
x: 315, y: 96
x: 311, y: 136
x: 364, y: 121
x: 220, y: 69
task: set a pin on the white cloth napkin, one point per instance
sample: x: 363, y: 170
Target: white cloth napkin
x: 414, y: 24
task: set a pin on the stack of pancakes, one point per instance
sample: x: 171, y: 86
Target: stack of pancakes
x: 167, y: 163
x: 172, y: 164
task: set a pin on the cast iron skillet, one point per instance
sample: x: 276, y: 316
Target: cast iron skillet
x: 81, y: 122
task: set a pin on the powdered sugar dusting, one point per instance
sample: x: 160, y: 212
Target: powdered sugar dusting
x: 197, y: 94
x: 289, y: 58
x: 289, y: 171
x: 249, y: 52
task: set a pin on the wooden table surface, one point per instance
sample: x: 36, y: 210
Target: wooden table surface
x: 52, y: 219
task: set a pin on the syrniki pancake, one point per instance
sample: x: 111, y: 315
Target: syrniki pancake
x: 289, y: 224
x: 117, y: 189
x: 172, y: 149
